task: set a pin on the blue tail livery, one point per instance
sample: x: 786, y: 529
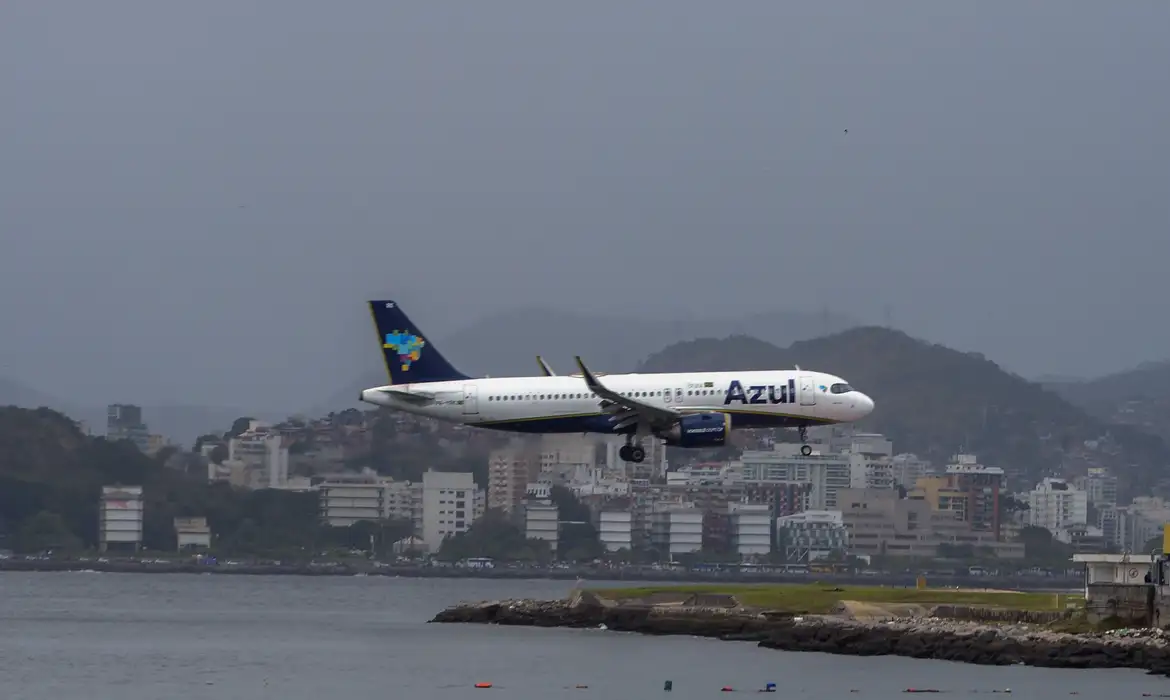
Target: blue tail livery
x: 410, y: 357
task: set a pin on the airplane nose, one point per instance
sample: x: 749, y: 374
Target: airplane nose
x: 863, y: 405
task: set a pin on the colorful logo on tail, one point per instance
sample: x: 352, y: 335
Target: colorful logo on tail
x: 408, y: 347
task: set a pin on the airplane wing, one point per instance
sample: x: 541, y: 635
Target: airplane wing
x: 415, y: 397
x: 545, y: 368
x: 625, y: 410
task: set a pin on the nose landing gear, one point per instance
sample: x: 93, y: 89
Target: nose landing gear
x: 805, y: 449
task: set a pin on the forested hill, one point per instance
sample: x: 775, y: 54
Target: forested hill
x: 51, y: 476
x: 935, y: 401
x: 1139, y: 397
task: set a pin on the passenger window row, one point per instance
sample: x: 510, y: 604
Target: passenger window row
x: 561, y: 397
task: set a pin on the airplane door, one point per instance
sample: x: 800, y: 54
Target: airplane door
x: 666, y: 395
x: 470, y: 400
x: 808, y: 392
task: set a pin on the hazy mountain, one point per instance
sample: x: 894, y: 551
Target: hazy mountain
x: 179, y: 423
x: 936, y: 401
x: 1139, y: 397
x: 507, y: 344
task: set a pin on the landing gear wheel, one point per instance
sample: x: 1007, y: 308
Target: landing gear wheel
x: 637, y: 454
x: 806, y: 450
x: 624, y: 453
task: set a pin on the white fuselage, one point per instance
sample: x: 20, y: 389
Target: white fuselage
x: 787, y: 398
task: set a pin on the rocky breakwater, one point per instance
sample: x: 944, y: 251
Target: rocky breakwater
x: 922, y: 638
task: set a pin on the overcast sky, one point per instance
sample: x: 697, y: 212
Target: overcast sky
x: 197, y: 198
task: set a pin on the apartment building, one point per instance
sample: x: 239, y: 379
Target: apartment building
x: 451, y: 502
x: 615, y: 529
x: 510, y: 471
x: 881, y: 523
x: 1055, y: 505
x: 823, y: 475
x: 676, y: 529
x: 750, y: 529
x: 812, y: 535
x: 542, y: 522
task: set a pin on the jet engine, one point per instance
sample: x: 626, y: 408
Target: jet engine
x: 699, y: 430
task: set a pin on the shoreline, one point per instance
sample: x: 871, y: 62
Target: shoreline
x: 921, y: 638
x: 632, y: 575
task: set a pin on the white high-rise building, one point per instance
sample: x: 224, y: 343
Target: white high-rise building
x: 449, y: 504
x: 907, y: 469
x: 1055, y: 504
x: 824, y: 474
x: 1100, y: 486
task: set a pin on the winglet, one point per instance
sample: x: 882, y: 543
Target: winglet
x: 544, y: 367
x: 590, y: 380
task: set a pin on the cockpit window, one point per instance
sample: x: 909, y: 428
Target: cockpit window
x: 840, y: 389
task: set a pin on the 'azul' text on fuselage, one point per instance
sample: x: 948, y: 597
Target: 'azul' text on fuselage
x: 761, y: 393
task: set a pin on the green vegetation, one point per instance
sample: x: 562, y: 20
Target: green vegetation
x: 822, y: 598
x: 50, y: 487
x: 931, y: 400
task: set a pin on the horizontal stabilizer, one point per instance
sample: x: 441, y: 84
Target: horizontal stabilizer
x: 415, y: 397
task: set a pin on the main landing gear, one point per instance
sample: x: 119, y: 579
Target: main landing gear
x: 630, y: 452
x: 805, y: 449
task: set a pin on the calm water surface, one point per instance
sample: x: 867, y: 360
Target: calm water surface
x: 79, y: 635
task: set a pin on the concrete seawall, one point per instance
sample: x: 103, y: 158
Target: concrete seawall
x: 929, y: 638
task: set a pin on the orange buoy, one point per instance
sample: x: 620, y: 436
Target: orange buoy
x: 483, y: 685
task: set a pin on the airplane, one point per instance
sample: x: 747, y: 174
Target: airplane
x: 685, y: 409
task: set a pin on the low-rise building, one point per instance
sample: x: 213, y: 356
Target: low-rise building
x: 192, y: 533
x: 542, y: 522
x: 615, y: 529
x: 812, y: 535
x: 750, y: 528
x: 121, y: 517
x: 881, y: 523
x: 676, y: 529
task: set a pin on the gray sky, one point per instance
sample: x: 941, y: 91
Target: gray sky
x: 196, y: 198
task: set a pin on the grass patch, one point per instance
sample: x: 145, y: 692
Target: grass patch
x: 821, y: 598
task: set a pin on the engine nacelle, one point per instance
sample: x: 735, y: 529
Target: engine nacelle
x: 699, y: 430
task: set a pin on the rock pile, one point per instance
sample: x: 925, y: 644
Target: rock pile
x: 923, y: 638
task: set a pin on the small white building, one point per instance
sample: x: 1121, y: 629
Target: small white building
x: 615, y: 529
x: 750, y: 527
x: 541, y: 522
x: 192, y: 533
x: 677, y: 530
x: 1114, y: 568
x: 812, y: 535
x: 121, y: 517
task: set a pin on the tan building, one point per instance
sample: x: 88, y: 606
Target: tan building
x: 510, y: 470
x: 941, y: 495
x: 881, y: 523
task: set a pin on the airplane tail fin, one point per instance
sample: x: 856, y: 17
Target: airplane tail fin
x: 410, y: 358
